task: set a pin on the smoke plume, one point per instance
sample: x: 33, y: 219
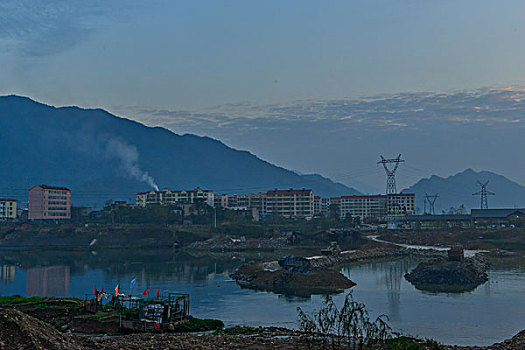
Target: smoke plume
x: 128, y: 156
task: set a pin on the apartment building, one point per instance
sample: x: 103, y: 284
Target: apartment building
x: 167, y: 196
x: 7, y: 209
x: 49, y: 203
x: 256, y: 201
x: 375, y: 206
x: 220, y: 200
x: 401, y: 204
x: 317, y: 205
x: 290, y: 203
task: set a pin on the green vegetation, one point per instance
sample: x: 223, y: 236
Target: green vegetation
x: 406, y: 343
x: 130, y: 314
x: 16, y: 299
x: 197, y: 325
x: 348, y: 327
x: 99, y: 315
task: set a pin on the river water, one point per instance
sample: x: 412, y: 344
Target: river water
x: 491, y: 313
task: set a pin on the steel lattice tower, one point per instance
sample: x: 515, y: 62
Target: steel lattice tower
x: 391, y: 173
x: 483, y: 194
x: 431, y: 199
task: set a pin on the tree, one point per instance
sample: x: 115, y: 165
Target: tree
x: 350, y: 325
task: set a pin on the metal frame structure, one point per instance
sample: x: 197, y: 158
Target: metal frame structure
x: 483, y: 193
x: 391, y: 173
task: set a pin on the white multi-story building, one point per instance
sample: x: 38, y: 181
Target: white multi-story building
x: 375, y: 207
x: 7, y: 209
x: 167, y: 196
x: 290, y: 203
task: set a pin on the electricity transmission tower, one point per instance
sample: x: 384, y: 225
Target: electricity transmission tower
x: 431, y: 199
x: 391, y: 173
x: 483, y: 194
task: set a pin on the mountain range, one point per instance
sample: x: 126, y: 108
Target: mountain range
x: 101, y: 156
x: 458, y: 189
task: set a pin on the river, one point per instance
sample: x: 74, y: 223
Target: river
x: 492, y: 312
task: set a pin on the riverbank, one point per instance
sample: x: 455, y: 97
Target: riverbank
x: 507, y: 239
x: 21, y: 331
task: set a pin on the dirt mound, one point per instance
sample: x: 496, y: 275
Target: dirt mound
x: 23, y: 332
x: 442, y: 275
x: 254, y: 276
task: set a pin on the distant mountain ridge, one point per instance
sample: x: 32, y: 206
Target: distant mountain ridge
x: 458, y: 189
x: 101, y: 156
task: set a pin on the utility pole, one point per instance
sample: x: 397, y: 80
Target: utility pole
x: 483, y: 194
x: 431, y: 199
x: 391, y: 173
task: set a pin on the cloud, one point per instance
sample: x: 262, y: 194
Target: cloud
x: 410, y: 111
x: 47, y: 27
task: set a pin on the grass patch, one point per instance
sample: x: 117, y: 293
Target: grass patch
x: 16, y: 299
x: 199, y: 325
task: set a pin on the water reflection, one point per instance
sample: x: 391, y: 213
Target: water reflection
x: 47, y: 281
x: 7, y: 273
x: 490, y: 313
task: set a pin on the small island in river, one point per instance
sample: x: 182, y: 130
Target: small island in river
x: 453, y: 275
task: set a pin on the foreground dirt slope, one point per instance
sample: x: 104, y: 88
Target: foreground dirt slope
x: 21, y: 331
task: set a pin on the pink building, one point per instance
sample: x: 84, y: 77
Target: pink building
x: 49, y: 203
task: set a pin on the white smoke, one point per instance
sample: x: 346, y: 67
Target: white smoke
x: 129, y: 156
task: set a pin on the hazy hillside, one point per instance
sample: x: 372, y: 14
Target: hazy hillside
x: 458, y: 189
x: 101, y: 156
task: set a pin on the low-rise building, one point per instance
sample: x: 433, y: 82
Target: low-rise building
x: 49, y: 203
x: 7, y: 209
x: 439, y: 221
x: 167, y: 196
x: 506, y: 217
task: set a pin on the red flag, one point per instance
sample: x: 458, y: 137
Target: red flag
x: 158, y: 293
x: 146, y: 292
x: 116, y: 290
x: 102, y: 291
x: 95, y: 291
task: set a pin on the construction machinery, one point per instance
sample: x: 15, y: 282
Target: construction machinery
x: 332, y: 249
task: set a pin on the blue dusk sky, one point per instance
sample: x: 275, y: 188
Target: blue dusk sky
x: 314, y: 86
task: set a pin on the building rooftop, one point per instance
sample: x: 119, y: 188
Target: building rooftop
x: 47, y: 187
x: 7, y: 200
x: 290, y: 191
x: 173, y: 191
x: 496, y: 213
x: 440, y: 217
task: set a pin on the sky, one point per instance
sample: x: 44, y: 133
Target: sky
x: 314, y: 86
